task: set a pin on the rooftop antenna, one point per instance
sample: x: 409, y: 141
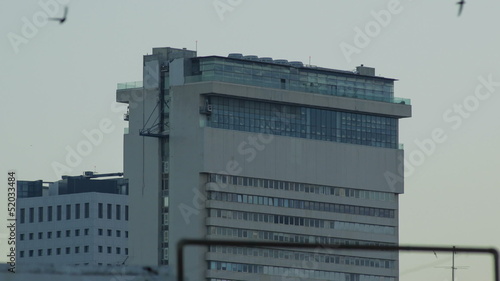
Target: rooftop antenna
x: 309, y: 60
x: 453, y: 267
x: 196, y: 49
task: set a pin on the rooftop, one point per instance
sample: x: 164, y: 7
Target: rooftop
x: 281, y: 74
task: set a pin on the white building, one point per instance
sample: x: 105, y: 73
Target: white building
x: 75, y: 221
x: 250, y: 148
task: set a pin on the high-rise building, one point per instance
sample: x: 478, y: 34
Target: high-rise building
x: 242, y: 147
x: 79, y: 220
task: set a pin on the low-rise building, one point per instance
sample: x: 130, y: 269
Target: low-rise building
x: 81, y: 220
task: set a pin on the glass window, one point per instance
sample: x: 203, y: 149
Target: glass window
x: 22, y: 214
x: 118, y: 212
x: 109, y: 208
x: 40, y: 214
x: 87, y: 210
x: 31, y: 214
x: 59, y: 212
x: 100, y: 210
x: 68, y: 212
x: 77, y: 211
x: 49, y: 213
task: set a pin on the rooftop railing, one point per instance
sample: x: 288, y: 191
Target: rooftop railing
x: 129, y: 85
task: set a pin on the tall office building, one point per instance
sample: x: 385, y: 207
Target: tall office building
x: 250, y: 148
x: 78, y: 220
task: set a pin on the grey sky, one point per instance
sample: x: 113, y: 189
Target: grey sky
x: 62, y: 80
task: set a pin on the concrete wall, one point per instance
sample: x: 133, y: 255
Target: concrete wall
x: 142, y: 168
x: 300, y: 160
x: 187, y: 204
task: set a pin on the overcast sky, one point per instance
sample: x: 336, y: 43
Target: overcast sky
x: 58, y: 80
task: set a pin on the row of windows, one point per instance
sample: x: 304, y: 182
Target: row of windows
x: 303, y: 122
x: 300, y: 221
x: 269, y: 75
x: 70, y: 212
x: 109, y: 211
x: 304, y: 256
x: 58, y: 251
x: 299, y: 83
x: 288, y: 237
x: 303, y: 187
x: 109, y: 232
x: 67, y: 233
x: 67, y: 251
x: 294, y: 272
x: 58, y: 234
x: 49, y: 214
x: 109, y: 250
x: 300, y: 204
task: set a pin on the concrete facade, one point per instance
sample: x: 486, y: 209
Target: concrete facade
x: 196, y: 178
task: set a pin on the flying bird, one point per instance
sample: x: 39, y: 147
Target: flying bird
x: 461, y: 3
x: 63, y: 19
